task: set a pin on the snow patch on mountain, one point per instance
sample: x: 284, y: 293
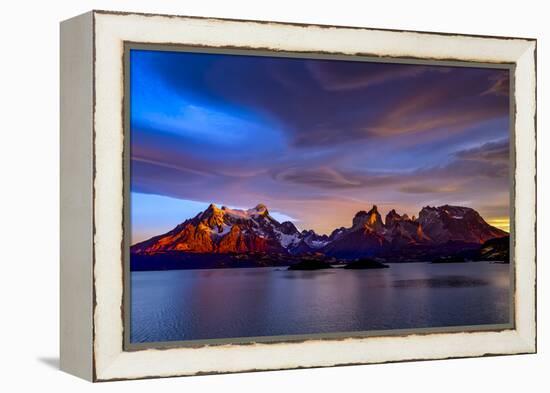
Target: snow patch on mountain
x: 239, y: 214
x: 221, y: 231
x: 286, y: 240
x: 318, y: 243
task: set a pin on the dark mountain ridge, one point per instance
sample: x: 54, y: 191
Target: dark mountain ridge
x: 438, y: 231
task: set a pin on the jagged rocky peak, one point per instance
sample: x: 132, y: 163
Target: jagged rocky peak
x: 457, y: 212
x: 373, y: 212
x: 212, y: 209
x: 337, y: 233
x: 392, y: 217
x: 368, y: 220
x: 237, y: 214
x: 359, y: 218
x: 453, y: 212
x: 312, y: 234
x: 426, y: 213
x: 260, y: 209
x: 456, y: 223
x: 289, y: 228
x: 212, y: 216
x: 314, y: 240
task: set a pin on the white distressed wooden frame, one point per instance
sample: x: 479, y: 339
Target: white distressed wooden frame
x: 92, y: 143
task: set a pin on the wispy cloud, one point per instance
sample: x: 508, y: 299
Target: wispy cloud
x: 318, y: 140
x: 447, y: 107
x: 335, y: 76
x: 500, y: 84
x: 496, y: 151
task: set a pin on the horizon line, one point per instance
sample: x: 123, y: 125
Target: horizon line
x: 502, y: 223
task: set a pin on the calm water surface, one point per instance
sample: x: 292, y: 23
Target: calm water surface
x: 228, y: 303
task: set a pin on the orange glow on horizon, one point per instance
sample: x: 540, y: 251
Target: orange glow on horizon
x: 500, y: 223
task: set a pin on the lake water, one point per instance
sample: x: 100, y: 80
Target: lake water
x: 228, y: 303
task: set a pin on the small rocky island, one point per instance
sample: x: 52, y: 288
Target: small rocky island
x: 316, y: 263
x: 310, y: 264
x: 365, y: 263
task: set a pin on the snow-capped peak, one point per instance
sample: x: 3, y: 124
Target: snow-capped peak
x: 259, y: 210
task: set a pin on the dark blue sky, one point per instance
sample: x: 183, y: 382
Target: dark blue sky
x: 315, y: 140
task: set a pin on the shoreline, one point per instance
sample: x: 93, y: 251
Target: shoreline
x: 334, y: 266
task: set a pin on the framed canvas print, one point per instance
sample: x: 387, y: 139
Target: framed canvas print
x: 244, y: 195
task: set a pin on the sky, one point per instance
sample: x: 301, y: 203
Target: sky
x: 314, y: 140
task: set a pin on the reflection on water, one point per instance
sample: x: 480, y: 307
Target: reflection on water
x: 305, y: 274
x: 225, y: 303
x: 442, y: 282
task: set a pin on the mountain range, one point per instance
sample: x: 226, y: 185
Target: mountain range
x: 437, y: 231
